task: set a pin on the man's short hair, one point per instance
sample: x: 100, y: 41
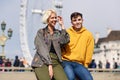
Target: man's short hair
x: 75, y: 15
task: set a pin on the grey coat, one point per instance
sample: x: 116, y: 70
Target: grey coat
x: 43, y: 44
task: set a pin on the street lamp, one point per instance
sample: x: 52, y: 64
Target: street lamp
x: 4, y: 38
x: 3, y: 26
x: 10, y: 33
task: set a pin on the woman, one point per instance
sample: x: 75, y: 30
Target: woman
x: 48, y: 43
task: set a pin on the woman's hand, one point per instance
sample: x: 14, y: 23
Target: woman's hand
x: 50, y: 71
x: 60, y: 21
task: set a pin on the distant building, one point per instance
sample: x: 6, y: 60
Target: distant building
x: 108, y: 48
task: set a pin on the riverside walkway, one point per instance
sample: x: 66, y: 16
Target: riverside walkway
x: 14, y: 73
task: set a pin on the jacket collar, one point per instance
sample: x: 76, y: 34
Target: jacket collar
x: 47, y: 30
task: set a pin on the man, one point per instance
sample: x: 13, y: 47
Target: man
x: 77, y: 55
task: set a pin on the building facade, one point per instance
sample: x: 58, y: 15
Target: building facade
x: 108, y: 49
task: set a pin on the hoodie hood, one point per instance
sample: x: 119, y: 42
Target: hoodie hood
x: 80, y: 31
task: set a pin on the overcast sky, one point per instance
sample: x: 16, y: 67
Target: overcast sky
x: 98, y: 16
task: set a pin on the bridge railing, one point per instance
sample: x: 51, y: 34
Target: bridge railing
x: 105, y: 74
x: 19, y: 73
x: 16, y: 69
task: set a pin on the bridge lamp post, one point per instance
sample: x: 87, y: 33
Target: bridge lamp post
x: 4, y: 38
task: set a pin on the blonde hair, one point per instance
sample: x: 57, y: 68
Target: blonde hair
x: 46, y: 15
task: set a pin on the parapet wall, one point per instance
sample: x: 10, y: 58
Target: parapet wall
x: 105, y: 74
x: 28, y: 74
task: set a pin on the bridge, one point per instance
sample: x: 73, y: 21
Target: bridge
x: 13, y: 73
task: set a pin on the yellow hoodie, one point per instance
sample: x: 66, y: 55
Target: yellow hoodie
x: 81, y: 46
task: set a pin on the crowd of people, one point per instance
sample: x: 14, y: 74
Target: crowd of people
x: 100, y: 65
x: 17, y: 62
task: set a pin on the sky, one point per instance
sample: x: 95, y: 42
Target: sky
x: 98, y: 15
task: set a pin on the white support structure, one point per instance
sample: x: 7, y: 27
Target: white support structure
x: 36, y: 11
x: 23, y: 34
x: 58, y: 6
